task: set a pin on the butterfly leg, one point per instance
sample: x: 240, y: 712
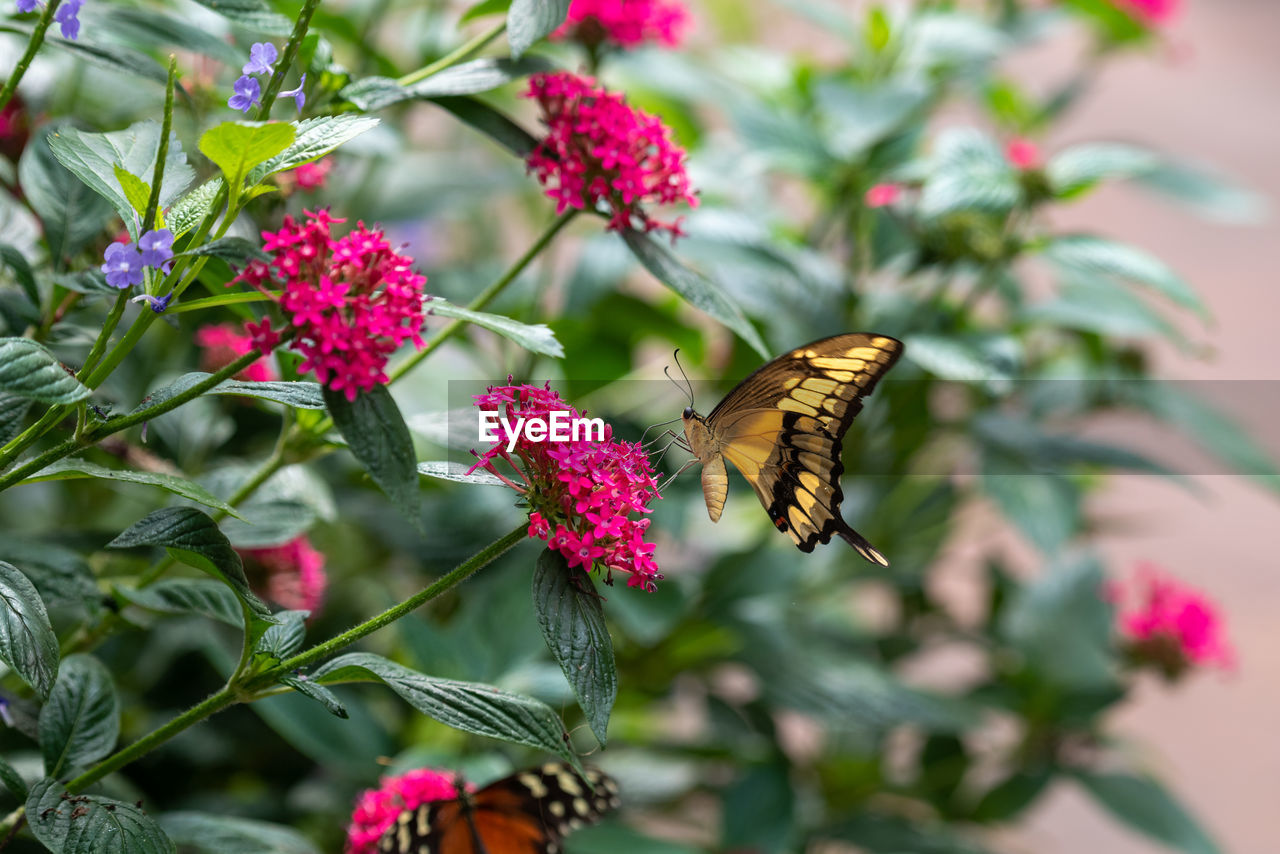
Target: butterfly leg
x: 679, y: 472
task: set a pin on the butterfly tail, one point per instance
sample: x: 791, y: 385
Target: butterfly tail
x: 861, y: 546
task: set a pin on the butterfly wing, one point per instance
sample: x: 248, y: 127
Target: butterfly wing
x: 527, y: 813
x: 782, y: 427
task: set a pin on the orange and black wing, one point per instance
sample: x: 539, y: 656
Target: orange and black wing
x: 783, y: 426
x: 527, y: 813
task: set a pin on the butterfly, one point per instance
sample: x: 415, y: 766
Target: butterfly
x: 529, y: 812
x: 782, y: 428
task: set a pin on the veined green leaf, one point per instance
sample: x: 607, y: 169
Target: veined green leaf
x: 457, y: 472
x: 27, y: 642
x: 80, y: 722
x: 530, y: 20
x: 1146, y: 806
x: 200, y: 596
x: 70, y: 469
x: 537, y: 338
x: 70, y: 212
x: 237, y: 147
x: 1087, y: 254
x: 205, y: 833
x: 314, y: 139
x: 28, y: 370
x: 376, y: 433
x: 467, y: 78
x: 251, y: 14
x: 91, y: 824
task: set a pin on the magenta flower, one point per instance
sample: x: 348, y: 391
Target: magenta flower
x: 223, y: 344
x: 376, y: 809
x: 601, y: 151
x: 294, y: 574
x: 1168, y: 624
x: 312, y: 176
x: 352, y: 300
x: 581, y: 493
x: 625, y: 23
x: 1152, y: 12
x: 883, y: 195
x: 1022, y: 153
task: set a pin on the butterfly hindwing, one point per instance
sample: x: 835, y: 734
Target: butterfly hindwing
x: 783, y: 426
x: 529, y: 812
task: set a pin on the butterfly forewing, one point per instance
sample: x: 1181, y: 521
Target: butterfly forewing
x: 529, y: 812
x: 782, y: 427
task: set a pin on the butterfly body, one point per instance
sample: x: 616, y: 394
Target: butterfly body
x: 782, y: 428
x: 529, y: 812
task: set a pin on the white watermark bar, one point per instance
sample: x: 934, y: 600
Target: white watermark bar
x: 558, y: 426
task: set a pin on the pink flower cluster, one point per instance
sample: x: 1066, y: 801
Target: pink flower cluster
x: 295, y: 576
x: 352, y: 300
x: 308, y: 176
x: 376, y: 809
x: 599, y: 149
x: 223, y: 344
x: 580, y: 493
x: 1152, y: 12
x: 625, y: 23
x: 1022, y: 153
x: 1169, y: 624
x: 883, y: 195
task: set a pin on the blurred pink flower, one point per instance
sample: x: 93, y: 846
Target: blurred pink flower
x: 1152, y: 12
x: 223, y: 344
x: 295, y: 576
x: 581, y: 493
x: 308, y: 176
x: 625, y: 23
x: 1022, y: 153
x: 1169, y: 624
x: 376, y: 809
x: 883, y: 195
x: 352, y: 300
x: 598, y: 149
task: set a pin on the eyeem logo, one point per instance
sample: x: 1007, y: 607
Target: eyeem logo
x: 558, y: 426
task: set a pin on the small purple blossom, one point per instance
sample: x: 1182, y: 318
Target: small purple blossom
x: 28, y: 5
x: 247, y: 93
x: 262, y: 56
x: 157, y: 248
x: 67, y: 19
x: 156, y: 304
x: 123, y: 265
x: 299, y: 97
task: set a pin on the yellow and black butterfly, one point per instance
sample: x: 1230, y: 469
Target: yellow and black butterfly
x: 529, y: 812
x: 782, y: 428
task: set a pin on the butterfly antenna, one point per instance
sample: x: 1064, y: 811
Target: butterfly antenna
x: 688, y: 385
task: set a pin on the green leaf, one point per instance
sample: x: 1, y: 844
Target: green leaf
x: 531, y: 20
x: 485, y: 8
x: 27, y: 642
x: 612, y: 837
x: 1077, y: 168
x: 1207, y: 193
x: 80, y: 722
x: 491, y: 123
x: 1062, y: 626
x: 1044, y: 507
x: 234, y: 250
x: 13, y: 414
x: 1095, y: 255
x: 91, y: 824
x: 314, y: 139
x: 193, y: 538
x: 112, y: 57
x: 300, y: 395
x: 71, y: 213
x: 537, y: 338
x: 13, y: 781
x: 22, y: 273
x: 1097, y: 305
x: 285, y: 637
x: 1007, y: 800
x: 319, y: 693
x: 71, y: 469
x: 857, y: 116
x: 237, y: 147
x: 269, y: 523
x: 969, y: 172
x: 28, y: 370
x: 135, y: 190
x: 572, y: 621
x: 188, y: 211
x: 94, y: 158
x: 251, y: 14
x: 892, y: 834
x: 458, y: 472
x: 759, y: 810
x: 467, y: 706
x: 154, y: 29
x: 468, y: 78
x: 204, y: 833
x: 1146, y: 806
x: 953, y: 359
x: 376, y: 433
x: 60, y: 574
x: 176, y: 596
x: 90, y: 281
x: 1031, y: 449
x: 698, y: 290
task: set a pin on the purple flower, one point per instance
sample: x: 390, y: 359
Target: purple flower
x: 67, y: 20
x: 247, y: 93
x: 28, y: 5
x: 262, y: 55
x: 157, y: 304
x: 123, y: 265
x: 298, y: 96
x: 157, y: 248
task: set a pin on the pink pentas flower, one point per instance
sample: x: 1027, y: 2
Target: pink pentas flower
x: 1169, y: 624
x: 1022, y: 153
x: 377, y: 809
x: 587, y: 495
x: 293, y: 574
x: 351, y: 300
x: 883, y: 195
x: 1152, y: 12
x: 223, y: 344
x: 308, y: 176
x: 599, y: 150
x: 625, y: 23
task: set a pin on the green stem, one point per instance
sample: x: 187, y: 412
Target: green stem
x: 99, y: 346
x: 286, y: 59
x: 464, y: 570
x: 37, y: 39
x: 162, y: 153
x: 464, y: 52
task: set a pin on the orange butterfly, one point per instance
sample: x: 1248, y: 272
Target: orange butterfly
x: 529, y: 812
